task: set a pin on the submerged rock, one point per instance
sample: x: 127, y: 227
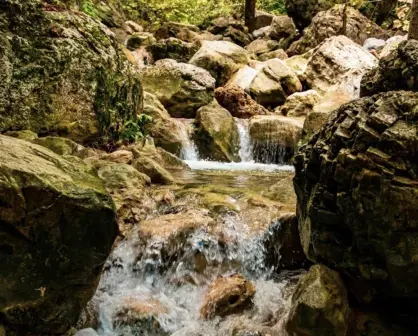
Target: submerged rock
x: 357, y: 188
x: 227, y: 295
x: 319, y: 305
x: 182, y: 88
x: 50, y: 204
x: 63, y: 72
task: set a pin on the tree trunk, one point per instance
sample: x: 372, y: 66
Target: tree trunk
x: 250, y: 14
x: 344, y: 26
x: 384, y: 8
x: 413, y: 26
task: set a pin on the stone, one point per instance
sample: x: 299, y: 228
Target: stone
x: 279, y: 53
x: 237, y: 36
x: 375, y: 44
x: 329, y: 23
x: 260, y: 46
x: 283, y: 30
x: 338, y: 61
x: 312, y: 124
x: 303, y: 11
x: 227, y: 295
x: 154, y: 170
x: 86, y: 332
x: 221, y: 58
x: 392, y: 44
x: 216, y: 134
x: 300, y: 104
x: 23, y: 135
x: 282, y: 242
x: 275, y: 138
x: 119, y: 156
x: 262, y: 19
x: 244, y: 76
x: 397, y: 71
x: 135, y: 27
x: 357, y: 190
x: 62, y: 146
x: 319, y: 305
x: 182, y: 88
x: 274, y: 83
x: 50, y: 204
x: 66, y: 75
x: 182, y: 31
x: 173, y: 48
x: 299, y: 63
x: 261, y: 32
x: 238, y: 102
x: 137, y: 40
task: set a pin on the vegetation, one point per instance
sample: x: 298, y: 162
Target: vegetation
x: 134, y: 131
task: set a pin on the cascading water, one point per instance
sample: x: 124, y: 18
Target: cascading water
x: 189, y: 150
x: 245, y: 142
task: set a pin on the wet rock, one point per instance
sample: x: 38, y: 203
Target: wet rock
x: 262, y: 19
x: 275, y: 138
x: 282, y: 243
x: 66, y: 75
x: 181, y: 31
x: 138, y: 40
x: 182, y: 88
x: 274, y: 83
x: 279, y: 53
x: 283, y: 30
x: 227, y: 295
x: 238, y: 102
x: 312, y: 124
x: 260, y: 46
x: 357, y: 189
x: 62, y: 146
x: 216, y: 133
x: 50, y: 204
x: 329, y: 23
x: 319, y: 305
x: 283, y: 191
x: 300, y: 104
x: 154, y: 170
x: 338, y: 61
x: 173, y: 48
x: 221, y: 58
x: 303, y: 11
x: 23, y: 135
x: 396, y: 71
x: 86, y: 332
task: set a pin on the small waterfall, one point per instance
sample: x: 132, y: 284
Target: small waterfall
x: 245, y: 142
x: 189, y: 150
x: 271, y: 152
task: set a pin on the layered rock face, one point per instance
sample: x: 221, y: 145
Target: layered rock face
x: 357, y: 189
x: 63, y: 72
x: 57, y: 226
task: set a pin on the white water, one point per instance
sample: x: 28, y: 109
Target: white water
x: 189, y: 150
x: 245, y: 143
x: 237, y: 166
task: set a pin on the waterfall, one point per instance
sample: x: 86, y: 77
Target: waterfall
x: 189, y: 150
x: 245, y: 142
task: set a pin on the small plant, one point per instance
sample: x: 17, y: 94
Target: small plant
x: 134, y: 131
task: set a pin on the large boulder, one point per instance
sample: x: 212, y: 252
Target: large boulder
x: 216, y: 134
x: 275, y: 138
x: 338, y: 61
x: 283, y: 30
x: 274, y: 83
x: 181, y: 31
x: 261, y: 46
x: 303, y: 11
x: 63, y: 72
x: 173, y: 48
x: 300, y: 104
x: 238, y: 102
x: 329, y: 23
x: 221, y: 58
x: 182, y: 88
x: 319, y: 305
x: 262, y: 19
x: 59, y: 225
x: 396, y: 71
x: 357, y: 189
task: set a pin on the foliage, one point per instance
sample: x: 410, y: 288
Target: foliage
x: 272, y: 6
x: 134, y: 131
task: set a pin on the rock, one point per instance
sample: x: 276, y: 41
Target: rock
x: 300, y: 104
x: 62, y: 146
x: 329, y: 23
x: 182, y: 88
x: 63, y: 207
x: 135, y: 27
x: 216, y: 133
x: 237, y: 36
x: 357, y: 189
x: 303, y: 11
x: 227, y: 295
x: 261, y: 33
x: 138, y: 40
x: 221, y: 58
x: 338, y: 61
x: 299, y: 63
x: 275, y: 138
x: 165, y: 130
x: 319, y: 305
x: 391, y: 45
x: 375, y: 44
x: 312, y: 124
x: 244, y: 76
x: 262, y: 19
x: 23, y: 135
x: 67, y: 75
x: 274, y: 83
x: 238, y: 102
x: 173, y: 48
x: 397, y: 71
x: 282, y: 242
x: 154, y: 170
x: 182, y: 31
x: 283, y: 191
x: 260, y: 46
x: 279, y: 53
x: 283, y: 30
x: 86, y: 332
x: 119, y: 156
